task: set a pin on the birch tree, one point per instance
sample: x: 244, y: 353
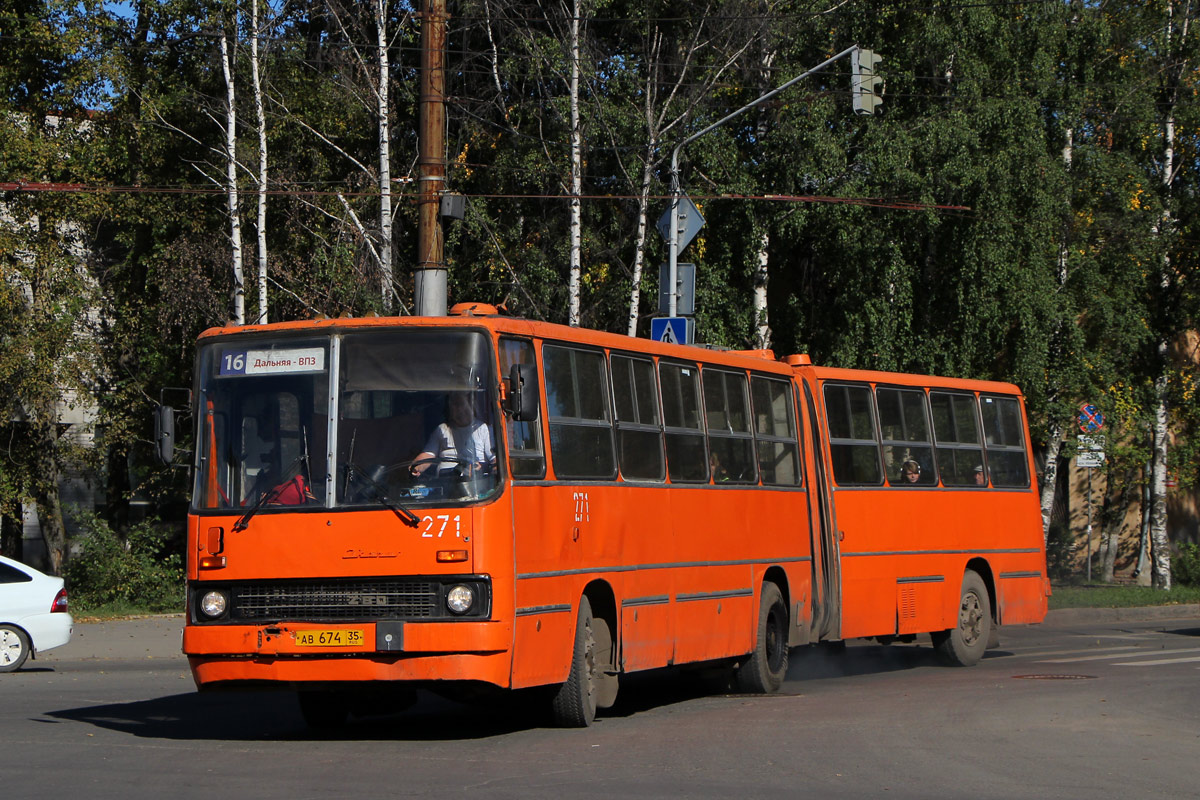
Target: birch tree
x: 674, y: 66
x: 385, y: 157
x: 231, y: 177
x: 261, y: 125
x: 576, y: 206
x: 1174, y: 65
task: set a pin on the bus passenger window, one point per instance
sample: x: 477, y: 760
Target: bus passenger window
x: 639, y: 434
x: 687, y: 460
x: 852, y: 445
x: 956, y: 430
x: 727, y: 409
x: 775, y: 431
x: 526, y: 458
x: 907, y: 449
x: 581, y: 444
x: 1007, y: 462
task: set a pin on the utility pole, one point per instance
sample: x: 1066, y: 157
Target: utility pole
x: 430, y: 279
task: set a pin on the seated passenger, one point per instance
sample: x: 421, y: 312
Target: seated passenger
x: 910, y: 473
x: 462, y: 442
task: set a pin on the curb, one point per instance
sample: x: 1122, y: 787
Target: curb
x: 1075, y: 616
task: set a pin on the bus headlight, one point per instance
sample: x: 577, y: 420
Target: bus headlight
x: 460, y: 599
x: 213, y: 604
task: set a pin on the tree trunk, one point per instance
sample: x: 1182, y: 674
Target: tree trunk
x: 1054, y: 443
x: 261, y: 224
x: 1118, y: 496
x: 1160, y: 546
x: 49, y: 504
x: 385, y: 164
x: 576, y: 173
x: 231, y: 187
x: 12, y: 536
x: 1160, y: 543
x: 762, y: 335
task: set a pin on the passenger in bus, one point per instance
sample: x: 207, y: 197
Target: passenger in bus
x: 463, y: 442
x: 910, y: 473
x: 718, y: 472
x: 980, y: 477
x: 275, y: 484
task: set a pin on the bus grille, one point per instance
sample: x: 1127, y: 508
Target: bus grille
x: 373, y: 599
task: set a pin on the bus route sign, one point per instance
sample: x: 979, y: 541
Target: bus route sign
x: 1091, y: 419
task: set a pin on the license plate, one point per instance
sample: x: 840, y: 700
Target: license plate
x: 342, y: 637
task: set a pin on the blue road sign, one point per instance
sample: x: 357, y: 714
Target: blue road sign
x: 1091, y: 419
x: 672, y: 330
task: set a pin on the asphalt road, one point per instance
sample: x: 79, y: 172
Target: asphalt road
x: 1084, y: 706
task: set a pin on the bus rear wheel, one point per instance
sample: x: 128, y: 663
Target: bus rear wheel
x: 589, y: 684
x: 764, y: 670
x: 964, y: 644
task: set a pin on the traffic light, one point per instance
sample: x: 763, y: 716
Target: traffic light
x: 864, y: 83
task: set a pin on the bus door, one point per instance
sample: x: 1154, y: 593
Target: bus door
x: 826, y: 565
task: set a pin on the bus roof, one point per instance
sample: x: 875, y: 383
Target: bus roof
x: 482, y: 316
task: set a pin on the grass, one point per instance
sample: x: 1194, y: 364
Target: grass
x: 1112, y: 596
x: 118, y: 610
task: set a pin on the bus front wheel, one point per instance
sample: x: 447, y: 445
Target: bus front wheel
x: 766, y: 667
x: 963, y: 645
x: 589, y: 684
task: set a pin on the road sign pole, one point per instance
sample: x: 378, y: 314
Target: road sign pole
x: 1089, y: 527
x: 673, y: 240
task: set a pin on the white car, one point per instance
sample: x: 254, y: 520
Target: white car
x: 33, y: 613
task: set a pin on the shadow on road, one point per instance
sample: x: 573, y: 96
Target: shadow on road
x: 274, y: 715
x: 268, y: 715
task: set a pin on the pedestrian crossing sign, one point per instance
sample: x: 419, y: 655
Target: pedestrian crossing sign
x: 673, y: 330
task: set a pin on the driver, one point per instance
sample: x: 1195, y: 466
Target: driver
x: 462, y: 440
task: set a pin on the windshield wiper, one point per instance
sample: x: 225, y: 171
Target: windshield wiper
x: 267, y: 496
x: 380, y: 494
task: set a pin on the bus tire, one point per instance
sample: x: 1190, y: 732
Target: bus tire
x: 964, y: 644
x: 575, y: 703
x: 323, y: 710
x: 764, y: 670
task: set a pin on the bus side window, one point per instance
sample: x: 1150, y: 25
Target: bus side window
x: 526, y: 458
x: 639, y: 432
x: 687, y: 459
x: 775, y: 431
x: 904, y: 423
x: 581, y: 441
x: 956, y: 431
x: 852, y: 445
x: 730, y: 442
x: 1005, y: 438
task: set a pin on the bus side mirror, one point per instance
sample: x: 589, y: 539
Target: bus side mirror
x: 523, y: 397
x: 164, y: 433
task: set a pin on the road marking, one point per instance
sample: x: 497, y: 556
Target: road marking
x: 1157, y: 662
x: 1087, y: 650
x: 1119, y: 655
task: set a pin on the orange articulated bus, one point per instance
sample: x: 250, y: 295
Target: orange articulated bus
x: 477, y: 500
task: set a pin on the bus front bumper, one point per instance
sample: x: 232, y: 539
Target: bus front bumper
x: 299, y: 653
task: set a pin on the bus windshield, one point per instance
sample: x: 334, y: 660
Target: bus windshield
x: 365, y: 419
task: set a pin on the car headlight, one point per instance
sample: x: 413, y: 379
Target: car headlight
x: 460, y: 599
x: 213, y: 604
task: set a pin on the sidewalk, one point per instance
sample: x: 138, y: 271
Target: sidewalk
x: 1077, y: 616
x: 153, y: 637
